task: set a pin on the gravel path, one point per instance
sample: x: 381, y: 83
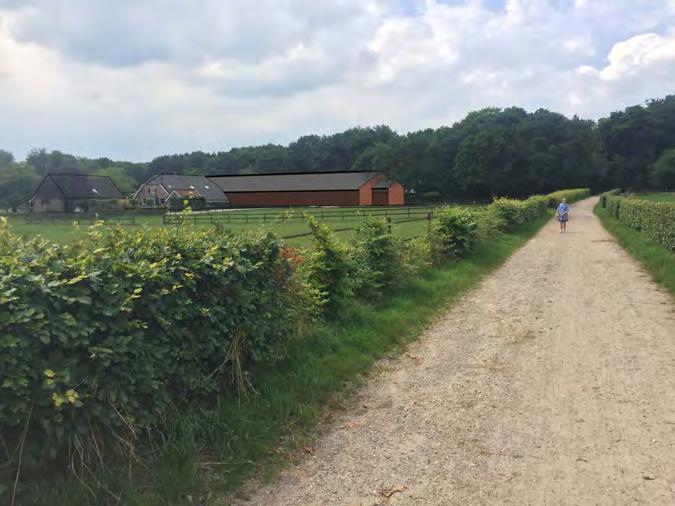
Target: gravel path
x: 551, y: 383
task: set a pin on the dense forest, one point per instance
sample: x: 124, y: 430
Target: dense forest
x: 490, y: 152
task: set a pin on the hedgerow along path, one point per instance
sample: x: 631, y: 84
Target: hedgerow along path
x: 551, y: 383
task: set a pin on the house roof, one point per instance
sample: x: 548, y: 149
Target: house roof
x: 200, y: 184
x: 297, y: 181
x: 184, y: 193
x: 84, y: 186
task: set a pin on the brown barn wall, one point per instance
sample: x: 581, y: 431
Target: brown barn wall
x: 396, y: 195
x: 381, y: 197
x: 366, y: 191
x: 300, y: 198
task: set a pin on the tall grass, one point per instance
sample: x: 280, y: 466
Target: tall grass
x: 212, y: 450
x: 655, y: 257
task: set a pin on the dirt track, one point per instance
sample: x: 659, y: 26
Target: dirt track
x: 551, y: 383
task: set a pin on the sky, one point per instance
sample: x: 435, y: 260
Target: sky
x: 134, y: 79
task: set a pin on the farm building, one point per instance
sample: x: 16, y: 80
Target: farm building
x: 73, y: 193
x: 388, y: 193
x: 167, y: 189
x: 309, y: 189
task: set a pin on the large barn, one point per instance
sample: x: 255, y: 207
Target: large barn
x: 310, y: 189
x: 73, y: 193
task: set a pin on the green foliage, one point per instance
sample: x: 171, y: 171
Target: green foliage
x: 656, y: 220
x: 633, y: 140
x: 329, y: 268
x: 17, y: 184
x: 511, y: 211
x: 571, y: 195
x: 664, y: 170
x: 657, y: 260
x: 456, y: 231
x: 103, y: 344
x: 109, y: 335
x: 378, y: 253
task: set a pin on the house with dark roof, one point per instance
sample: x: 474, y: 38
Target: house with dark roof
x: 307, y: 189
x: 164, y: 189
x: 72, y: 193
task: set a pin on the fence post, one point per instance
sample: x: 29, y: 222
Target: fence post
x: 389, y: 223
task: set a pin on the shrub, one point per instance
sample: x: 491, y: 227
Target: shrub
x: 654, y: 219
x: 510, y: 211
x: 534, y: 207
x: 571, y: 195
x: 377, y: 252
x: 490, y: 222
x: 603, y: 197
x: 329, y: 269
x: 102, y: 338
x: 456, y: 231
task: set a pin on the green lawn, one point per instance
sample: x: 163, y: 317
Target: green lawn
x: 281, y: 221
x: 659, y: 197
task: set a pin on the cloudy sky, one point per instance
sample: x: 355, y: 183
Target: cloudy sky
x: 132, y: 79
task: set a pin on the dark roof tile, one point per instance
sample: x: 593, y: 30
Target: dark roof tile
x: 82, y: 186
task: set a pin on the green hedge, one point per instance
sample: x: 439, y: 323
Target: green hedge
x: 656, y: 220
x: 514, y: 213
x: 571, y: 195
x: 102, y: 338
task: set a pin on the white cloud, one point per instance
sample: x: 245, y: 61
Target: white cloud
x: 138, y: 79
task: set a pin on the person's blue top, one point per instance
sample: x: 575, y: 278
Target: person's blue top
x: 563, y: 209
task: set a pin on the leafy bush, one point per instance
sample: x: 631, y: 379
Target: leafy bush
x: 490, y: 222
x: 571, y: 195
x: 534, y: 207
x: 377, y: 251
x: 329, y: 268
x: 510, y: 211
x: 603, y: 197
x: 654, y: 219
x: 102, y: 338
x: 456, y: 231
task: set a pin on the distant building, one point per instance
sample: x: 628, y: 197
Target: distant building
x: 388, y: 193
x: 74, y: 193
x: 166, y: 190
x: 310, y: 189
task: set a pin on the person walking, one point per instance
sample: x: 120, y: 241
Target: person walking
x: 563, y: 214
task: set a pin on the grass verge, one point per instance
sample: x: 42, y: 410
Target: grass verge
x: 211, y: 451
x: 656, y: 258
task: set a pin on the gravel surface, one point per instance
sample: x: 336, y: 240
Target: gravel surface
x: 553, y: 382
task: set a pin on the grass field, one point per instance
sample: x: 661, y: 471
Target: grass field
x: 659, y: 197
x: 407, y: 222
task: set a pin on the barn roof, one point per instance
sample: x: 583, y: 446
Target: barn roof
x: 84, y: 186
x: 297, y: 181
x: 200, y: 184
x: 384, y: 184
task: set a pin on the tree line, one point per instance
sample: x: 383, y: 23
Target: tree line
x: 491, y: 152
